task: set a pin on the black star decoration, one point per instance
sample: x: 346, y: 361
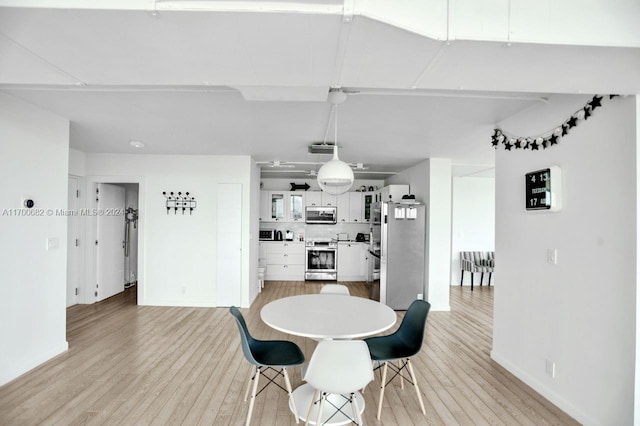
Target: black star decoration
x: 553, y: 139
x: 518, y: 144
x: 595, y: 102
x: 494, y: 142
x: 565, y: 129
x: 572, y: 121
x: 587, y: 112
x: 534, y: 146
x: 507, y: 146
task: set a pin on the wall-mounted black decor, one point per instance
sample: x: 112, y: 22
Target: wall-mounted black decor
x: 178, y: 202
x: 551, y: 137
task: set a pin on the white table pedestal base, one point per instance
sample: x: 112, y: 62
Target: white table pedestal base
x: 303, y: 396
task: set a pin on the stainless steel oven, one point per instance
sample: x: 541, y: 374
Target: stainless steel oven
x: 321, y: 260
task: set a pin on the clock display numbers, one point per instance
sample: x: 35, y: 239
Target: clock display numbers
x: 538, y: 190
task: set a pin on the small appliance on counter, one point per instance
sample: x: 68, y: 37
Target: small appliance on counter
x: 267, y: 235
x: 288, y: 236
x: 362, y: 238
x: 278, y: 236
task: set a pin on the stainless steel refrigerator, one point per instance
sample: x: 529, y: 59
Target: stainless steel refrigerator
x: 398, y: 235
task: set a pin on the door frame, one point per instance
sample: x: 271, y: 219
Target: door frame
x: 87, y: 294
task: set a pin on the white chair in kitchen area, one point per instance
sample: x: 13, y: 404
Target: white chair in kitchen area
x: 335, y: 289
x: 337, y: 371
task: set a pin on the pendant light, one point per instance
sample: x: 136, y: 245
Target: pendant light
x: 335, y: 177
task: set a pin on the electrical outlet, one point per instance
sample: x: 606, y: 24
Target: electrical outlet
x: 419, y: 296
x: 550, y: 368
x: 552, y: 256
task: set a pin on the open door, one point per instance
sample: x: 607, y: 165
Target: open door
x: 110, y: 247
x: 73, y: 241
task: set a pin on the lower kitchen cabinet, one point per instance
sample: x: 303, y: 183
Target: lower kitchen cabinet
x: 350, y: 262
x: 285, y: 260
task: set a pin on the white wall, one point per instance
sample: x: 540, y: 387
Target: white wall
x: 473, y: 221
x: 581, y: 313
x: 177, y: 252
x: 430, y: 182
x: 34, y: 162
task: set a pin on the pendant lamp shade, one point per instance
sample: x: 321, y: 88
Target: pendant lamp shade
x: 335, y: 177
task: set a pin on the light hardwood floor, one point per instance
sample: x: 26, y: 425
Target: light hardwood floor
x: 161, y: 365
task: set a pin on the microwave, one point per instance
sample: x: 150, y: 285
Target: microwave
x: 267, y: 234
x: 325, y: 215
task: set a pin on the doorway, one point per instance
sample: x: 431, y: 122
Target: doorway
x: 116, y: 238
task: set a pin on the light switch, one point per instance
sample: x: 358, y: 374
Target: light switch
x: 52, y: 243
x: 552, y: 256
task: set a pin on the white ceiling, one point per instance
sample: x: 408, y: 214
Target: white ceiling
x: 253, y: 83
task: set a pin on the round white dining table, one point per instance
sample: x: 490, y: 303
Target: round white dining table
x: 328, y: 316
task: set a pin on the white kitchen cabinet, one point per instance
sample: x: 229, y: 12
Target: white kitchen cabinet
x: 313, y: 198
x: 342, y: 203
x: 394, y: 192
x: 277, y: 206
x: 355, y: 207
x: 329, y: 200
x: 282, y: 206
x: 350, y: 262
x: 295, y: 210
x: 265, y: 206
x: 368, y: 198
x: 285, y: 260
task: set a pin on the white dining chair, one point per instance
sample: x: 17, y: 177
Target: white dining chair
x: 335, y: 289
x: 338, y: 370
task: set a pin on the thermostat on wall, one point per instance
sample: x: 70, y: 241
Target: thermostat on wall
x: 543, y: 189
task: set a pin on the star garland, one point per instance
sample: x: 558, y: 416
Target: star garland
x: 550, y: 138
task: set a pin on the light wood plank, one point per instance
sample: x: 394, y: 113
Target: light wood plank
x: 131, y: 364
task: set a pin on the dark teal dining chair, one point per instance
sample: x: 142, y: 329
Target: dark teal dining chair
x: 267, y: 355
x: 400, y: 347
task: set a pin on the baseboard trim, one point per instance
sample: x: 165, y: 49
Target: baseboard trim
x: 543, y: 390
x: 33, y: 363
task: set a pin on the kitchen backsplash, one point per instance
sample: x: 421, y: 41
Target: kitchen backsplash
x: 317, y: 231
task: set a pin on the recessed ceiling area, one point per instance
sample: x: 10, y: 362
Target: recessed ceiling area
x: 249, y: 82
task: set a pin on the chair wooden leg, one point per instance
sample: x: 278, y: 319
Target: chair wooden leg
x: 382, y: 385
x: 400, y: 375
x: 490, y: 278
x: 461, y: 277
x: 320, y: 408
x: 415, y: 384
x: 355, y: 409
x: 253, y: 396
x: 472, y: 281
x: 251, y: 378
x: 481, y: 278
x: 310, y: 413
x: 287, y: 382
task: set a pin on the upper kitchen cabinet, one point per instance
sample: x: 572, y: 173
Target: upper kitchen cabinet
x: 329, y: 200
x: 296, y: 206
x: 277, y: 205
x: 368, y: 198
x: 282, y: 206
x: 355, y: 207
x: 394, y: 192
x: 313, y: 198
x: 343, y: 204
x: 265, y: 206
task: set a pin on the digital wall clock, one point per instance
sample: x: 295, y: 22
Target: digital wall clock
x: 543, y: 189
